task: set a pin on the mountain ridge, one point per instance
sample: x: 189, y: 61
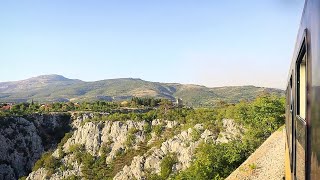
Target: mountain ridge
x: 51, y: 88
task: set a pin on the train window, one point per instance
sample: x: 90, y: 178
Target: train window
x: 291, y: 96
x: 301, y: 87
x: 291, y: 123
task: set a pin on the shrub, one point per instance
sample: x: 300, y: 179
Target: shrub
x: 215, y: 161
x: 147, y: 128
x: 153, y: 177
x: 50, y: 163
x: 61, y: 153
x: 76, y: 148
x: 105, y: 149
x: 65, y: 138
x: 158, y: 129
x: 131, y: 138
x: 40, y: 162
x: 195, y: 135
x: 166, y: 165
x: 253, y: 166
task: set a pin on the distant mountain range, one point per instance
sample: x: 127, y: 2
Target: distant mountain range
x: 52, y: 88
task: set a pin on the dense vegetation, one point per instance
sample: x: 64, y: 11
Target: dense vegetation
x: 260, y: 118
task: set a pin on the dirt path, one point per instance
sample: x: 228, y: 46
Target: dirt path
x: 266, y: 163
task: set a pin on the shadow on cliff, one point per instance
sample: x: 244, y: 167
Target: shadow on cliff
x: 23, y: 140
x: 51, y: 128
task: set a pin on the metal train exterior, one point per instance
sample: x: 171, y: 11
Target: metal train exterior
x: 303, y: 99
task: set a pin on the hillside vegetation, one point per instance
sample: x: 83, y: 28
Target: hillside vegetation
x: 56, y: 88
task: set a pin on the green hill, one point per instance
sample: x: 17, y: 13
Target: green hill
x: 49, y: 88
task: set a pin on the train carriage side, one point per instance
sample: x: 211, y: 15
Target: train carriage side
x: 303, y: 99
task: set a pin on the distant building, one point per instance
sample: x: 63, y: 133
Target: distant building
x: 45, y: 106
x: 179, y: 102
x: 6, y: 107
x: 124, y: 103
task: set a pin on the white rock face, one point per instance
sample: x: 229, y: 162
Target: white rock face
x: 89, y: 135
x: 95, y: 134
x: 135, y: 171
x: 168, y: 124
x: 40, y: 174
x: 79, y: 118
x: 231, y: 131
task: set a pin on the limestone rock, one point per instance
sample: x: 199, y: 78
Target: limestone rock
x: 89, y: 135
x: 40, y: 174
x: 180, y: 145
x: 231, y: 131
x: 135, y: 171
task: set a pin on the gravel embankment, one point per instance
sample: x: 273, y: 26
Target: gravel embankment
x: 266, y: 163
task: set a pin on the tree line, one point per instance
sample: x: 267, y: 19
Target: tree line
x: 97, y: 106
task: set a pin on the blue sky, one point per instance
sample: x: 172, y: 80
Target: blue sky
x: 207, y: 42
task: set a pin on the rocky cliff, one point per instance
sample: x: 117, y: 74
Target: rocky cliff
x: 24, y: 139
x: 128, y: 149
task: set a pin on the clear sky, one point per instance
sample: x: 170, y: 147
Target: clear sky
x: 208, y: 42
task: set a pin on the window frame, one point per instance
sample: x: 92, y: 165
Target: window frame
x: 298, y: 120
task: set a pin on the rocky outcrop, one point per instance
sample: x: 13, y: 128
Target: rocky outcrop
x: 93, y: 135
x: 40, y: 174
x: 134, y: 171
x: 182, y: 146
x: 230, y: 131
x: 89, y: 135
x: 24, y: 139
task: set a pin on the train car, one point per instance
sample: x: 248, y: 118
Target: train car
x: 303, y: 99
